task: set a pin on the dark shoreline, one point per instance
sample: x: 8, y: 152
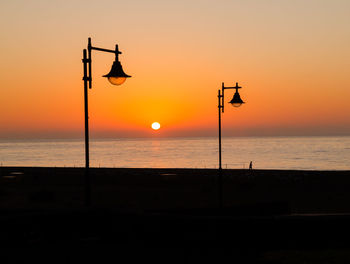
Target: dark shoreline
x: 142, y: 189
x: 172, y: 215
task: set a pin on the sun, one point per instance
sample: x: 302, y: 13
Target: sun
x: 155, y: 125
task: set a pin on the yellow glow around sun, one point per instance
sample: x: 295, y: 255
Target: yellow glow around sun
x: 155, y: 125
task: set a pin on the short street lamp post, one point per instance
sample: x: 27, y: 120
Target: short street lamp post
x: 236, y: 102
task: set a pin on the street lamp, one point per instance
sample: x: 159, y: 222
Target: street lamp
x: 236, y: 102
x: 116, y: 76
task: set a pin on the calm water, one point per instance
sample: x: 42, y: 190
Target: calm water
x: 306, y: 153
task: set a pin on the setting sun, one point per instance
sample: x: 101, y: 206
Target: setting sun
x: 155, y: 125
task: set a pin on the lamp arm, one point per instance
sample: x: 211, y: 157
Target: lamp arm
x: 89, y: 60
x: 222, y: 93
x: 90, y: 47
x: 234, y: 87
x: 104, y: 50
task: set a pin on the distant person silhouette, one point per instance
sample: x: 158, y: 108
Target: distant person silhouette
x: 251, y: 165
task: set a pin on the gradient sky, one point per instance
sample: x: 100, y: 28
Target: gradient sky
x: 292, y: 59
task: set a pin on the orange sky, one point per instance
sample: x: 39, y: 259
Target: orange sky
x: 292, y: 59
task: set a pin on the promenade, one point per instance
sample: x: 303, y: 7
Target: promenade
x: 169, y: 215
x: 140, y: 190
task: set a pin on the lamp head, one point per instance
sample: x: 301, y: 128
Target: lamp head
x: 116, y: 75
x: 236, y: 100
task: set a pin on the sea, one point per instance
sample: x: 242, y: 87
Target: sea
x: 287, y: 153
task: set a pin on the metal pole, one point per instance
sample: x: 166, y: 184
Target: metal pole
x: 220, y: 168
x: 89, y: 61
x: 86, y: 114
x: 219, y: 97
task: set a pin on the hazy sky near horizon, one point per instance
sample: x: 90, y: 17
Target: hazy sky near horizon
x: 292, y: 59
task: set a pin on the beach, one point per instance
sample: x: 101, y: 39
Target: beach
x: 173, y: 215
x: 152, y: 189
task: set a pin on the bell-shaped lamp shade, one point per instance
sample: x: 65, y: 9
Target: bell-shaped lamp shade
x: 236, y: 100
x: 116, y: 76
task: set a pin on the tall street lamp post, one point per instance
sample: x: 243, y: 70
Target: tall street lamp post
x: 236, y: 102
x: 116, y: 76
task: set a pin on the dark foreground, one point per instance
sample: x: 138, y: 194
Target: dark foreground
x: 172, y: 216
